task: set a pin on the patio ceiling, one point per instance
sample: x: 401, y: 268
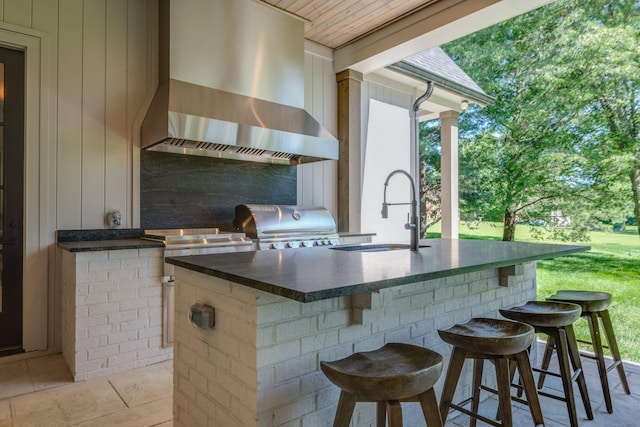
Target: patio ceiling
x: 367, y: 35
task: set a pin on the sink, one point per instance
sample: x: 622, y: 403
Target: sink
x: 382, y: 247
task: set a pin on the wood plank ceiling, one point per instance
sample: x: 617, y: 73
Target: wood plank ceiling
x: 335, y: 23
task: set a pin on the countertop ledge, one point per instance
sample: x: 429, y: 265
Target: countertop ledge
x: 312, y: 274
x: 109, y: 245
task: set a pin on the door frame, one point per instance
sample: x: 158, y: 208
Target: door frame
x: 39, y: 303
x: 12, y: 199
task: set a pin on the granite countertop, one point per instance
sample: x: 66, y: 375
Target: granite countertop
x: 312, y: 274
x: 109, y: 245
x: 93, y: 240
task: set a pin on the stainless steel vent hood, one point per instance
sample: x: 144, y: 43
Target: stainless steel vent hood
x: 231, y: 85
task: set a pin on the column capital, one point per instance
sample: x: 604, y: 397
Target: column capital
x: 349, y: 74
x: 449, y: 114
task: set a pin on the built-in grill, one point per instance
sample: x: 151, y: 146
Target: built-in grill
x: 286, y: 226
x: 183, y: 242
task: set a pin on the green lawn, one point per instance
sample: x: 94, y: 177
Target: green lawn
x: 612, y: 265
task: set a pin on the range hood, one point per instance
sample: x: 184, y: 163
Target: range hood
x: 231, y: 85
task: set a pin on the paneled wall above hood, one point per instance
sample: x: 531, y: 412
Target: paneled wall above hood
x: 231, y: 85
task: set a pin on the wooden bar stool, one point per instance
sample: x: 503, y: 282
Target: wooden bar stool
x: 594, y: 306
x: 555, y: 320
x: 392, y: 374
x: 502, y: 342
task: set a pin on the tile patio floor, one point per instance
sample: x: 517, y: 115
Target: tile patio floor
x: 39, y: 392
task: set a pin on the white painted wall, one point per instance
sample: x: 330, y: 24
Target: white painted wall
x: 318, y: 181
x: 388, y: 148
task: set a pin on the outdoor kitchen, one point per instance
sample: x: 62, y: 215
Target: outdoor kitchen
x: 271, y: 285
x: 196, y: 207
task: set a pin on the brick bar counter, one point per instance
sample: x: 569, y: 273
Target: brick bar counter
x: 278, y: 313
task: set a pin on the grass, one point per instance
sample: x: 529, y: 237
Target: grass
x: 612, y: 265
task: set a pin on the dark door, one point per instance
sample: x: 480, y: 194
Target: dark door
x: 11, y: 198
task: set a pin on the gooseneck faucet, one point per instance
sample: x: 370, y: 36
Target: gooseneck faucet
x: 412, y: 221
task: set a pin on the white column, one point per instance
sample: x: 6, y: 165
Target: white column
x: 449, y: 173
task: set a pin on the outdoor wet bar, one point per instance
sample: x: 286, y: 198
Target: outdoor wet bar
x: 275, y: 315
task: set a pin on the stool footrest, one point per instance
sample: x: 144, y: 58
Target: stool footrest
x: 591, y: 344
x: 544, y: 371
x: 513, y: 398
x: 474, y: 415
x: 614, y: 365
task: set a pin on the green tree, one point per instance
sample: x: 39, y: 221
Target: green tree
x: 540, y: 148
x: 516, y: 161
x: 597, y: 73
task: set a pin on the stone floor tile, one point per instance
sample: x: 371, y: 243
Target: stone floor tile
x: 49, y: 371
x: 143, y: 385
x: 5, y: 410
x: 66, y: 405
x: 150, y: 414
x: 15, y: 385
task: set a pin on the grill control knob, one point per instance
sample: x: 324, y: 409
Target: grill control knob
x: 291, y: 245
x: 307, y: 244
x: 277, y: 245
x: 325, y: 242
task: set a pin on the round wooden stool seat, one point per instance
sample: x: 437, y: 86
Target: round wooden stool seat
x: 490, y: 336
x: 587, y: 300
x: 392, y: 374
x: 555, y: 319
x: 396, y: 371
x: 544, y: 313
x: 505, y: 344
x: 595, y: 310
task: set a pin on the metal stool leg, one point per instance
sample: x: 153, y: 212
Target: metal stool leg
x: 613, y: 346
x: 594, y: 329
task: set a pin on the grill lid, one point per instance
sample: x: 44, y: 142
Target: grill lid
x: 283, y: 221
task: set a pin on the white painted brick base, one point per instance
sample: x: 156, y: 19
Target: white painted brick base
x: 259, y: 366
x: 111, y: 311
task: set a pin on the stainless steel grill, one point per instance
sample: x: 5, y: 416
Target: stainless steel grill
x: 286, y: 226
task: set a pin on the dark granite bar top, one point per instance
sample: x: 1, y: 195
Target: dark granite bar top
x: 103, y: 240
x: 109, y: 245
x: 312, y: 274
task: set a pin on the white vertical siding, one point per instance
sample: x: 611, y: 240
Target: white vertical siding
x: 118, y: 144
x: 17, y: 12
x: 318, y: 181
x: 90, y: 73
x: 69, y: 141
x: 103, y: 76
x: 93, y: 113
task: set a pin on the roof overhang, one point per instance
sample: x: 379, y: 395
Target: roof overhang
x: 447, y: 20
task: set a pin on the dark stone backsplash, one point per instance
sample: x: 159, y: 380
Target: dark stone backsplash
x: 181, y: 191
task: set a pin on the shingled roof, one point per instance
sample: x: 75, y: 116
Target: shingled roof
x: 435, y: 65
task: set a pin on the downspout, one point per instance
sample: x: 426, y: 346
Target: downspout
x: 416, y: 145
